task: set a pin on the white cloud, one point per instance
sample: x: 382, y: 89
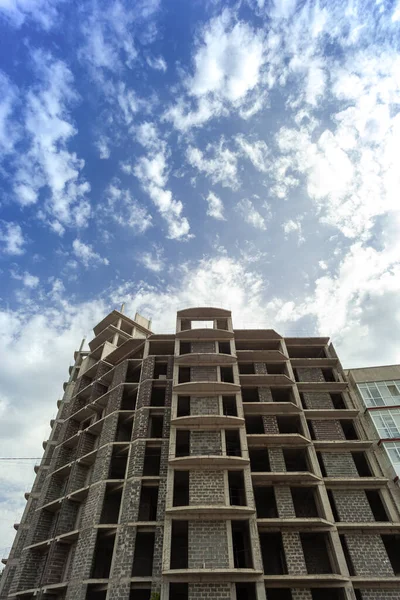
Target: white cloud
x: 43, y: 12
x: 12, y: 238
x: 250, y: 214
x: 157, y: 63
x: 125, y: 210
x: 215, y: 207
x: 86, y: 254
x: 147, y: 135
x: 9, y: 129
x: 152, y: 172
x: 28, y: 280
x: 292, y: 226
x: 152, y: 261
x: 257, y: 152
x: 220, y: 164
x: 103, y: 147
x: 228, y: 61
x: 48, y: 166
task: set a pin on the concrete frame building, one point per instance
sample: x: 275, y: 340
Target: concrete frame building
x: 210, y: 463
x: 378, y: 389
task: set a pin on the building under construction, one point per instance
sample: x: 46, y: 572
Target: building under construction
x: 210, y: 463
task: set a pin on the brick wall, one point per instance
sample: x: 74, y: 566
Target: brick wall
x: 205, y: 442
x: 208, y: 405
x: 310, y: 374
x: 299, y: 594
x: 203, y: 373
x: 270, y: 424
x: 339, y: 464
x: 368, y: 555
x: 208, y: 545
x: 203, y: 591
x: 202, y: 347
x: 276, y: 460
x: 294, y: 553
x: 374, y: 594
x: 284, y: 502
x: 265, y: 394
x: 148, y: 368
x: 327, y: 430
x: 352, y: 506
x: 318, y: 400
x: 206, y: 487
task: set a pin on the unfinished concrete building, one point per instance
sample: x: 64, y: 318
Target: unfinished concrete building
x: 210, y: 463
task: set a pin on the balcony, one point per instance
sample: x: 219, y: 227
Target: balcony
x: 266, y: 380
x: 208, y: 388
x: 277, y: 440
x: 209, y: 422
x: 204, y: 334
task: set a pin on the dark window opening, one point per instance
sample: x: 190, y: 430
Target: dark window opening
x: 376, y: 504
x: 181, y: 488
x: 311, y: 430
x: 321, y: 465
x: 259, y: 460
x: 229, y: 406
x: 333, y: 505
x: 133, y: 372
x: 254, y: 424
x: 179, y: 545
x: 289, y: 425
x: 295, y: 460
x: 151, y: 464
x: 160, y: 370
x: 302, y: 399
x: 304, y: 502
x: 92, y: 593
x: 126, y: 327
x: 246, y: 368
x: 129, y: 397
x: 265, y: 502
x: 178, y: 591
x: 157, y: 397
x: 392, y: 545
x: 241, y: 545
x: 224, y: 347
x: 184, y: 375
x: 143, y: 557
x: 281, y: 395
x: 306, y: 351
x: 140, y: 594
x: 124, y: 429
x: 103, y: 555
x: 184, y: 348
x: 316, y: 553
x: 232, y: 440
x: 148, y: 503
x: 327, y: 594
x: 155, y: 429
x: 296, y: 375
x: 182, y: 445
x: 278, y: 593
x: 276, y: 368
x: 183, y: 409
x: 111, y: 506
x: 328, y: 374
x: 273, y: 554
x: 226, y: 374
x: 250, y: 395
x: 161, y: 348
x: 362, y: 464
x: 358, y: 595
x: 246, y: 591
x: 337, y: 401
x: 347, y: 555
x: 237, y: 494
x: 349, y: 430
x: 257, y: 345
x: 222, y: 324
x: 186, y: 324
x: 118, y: 465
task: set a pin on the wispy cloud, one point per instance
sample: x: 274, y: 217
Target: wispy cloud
x: 215, y: 207
x: 217, y: 162
x: 124, y: 209
x: 12, y: 238
x: 153, y: 261
x: 251, y: 215
x: 86, y: 254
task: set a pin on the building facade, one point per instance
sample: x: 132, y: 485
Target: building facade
x: 210, y: 463
x: 378, y: 389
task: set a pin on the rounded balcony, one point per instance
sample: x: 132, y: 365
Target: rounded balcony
x: 209, y: 388
x: 201, y: 359
x: 209, y: 422
x: 204, y: 334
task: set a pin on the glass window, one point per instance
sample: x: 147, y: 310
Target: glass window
x: 387, y: 423
x: 393, y: 451
x: 381, y: 393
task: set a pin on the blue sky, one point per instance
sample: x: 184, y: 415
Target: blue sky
x: 174, y: 153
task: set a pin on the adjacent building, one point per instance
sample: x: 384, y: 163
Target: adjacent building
x: 210, y: 463
x: 379, y: 392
